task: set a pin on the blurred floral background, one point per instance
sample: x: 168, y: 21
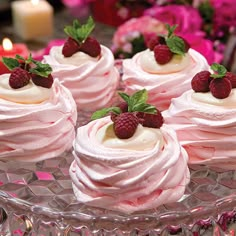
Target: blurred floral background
x: 206, y: 24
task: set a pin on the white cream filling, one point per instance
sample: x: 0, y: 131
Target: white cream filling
x: 208, y: 98
x: 29, y: 94
x: 76, y: 59
x: 177, y: 63
x: 143, y: 139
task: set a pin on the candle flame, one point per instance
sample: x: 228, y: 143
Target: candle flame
x: 7, y: 44
x: 35, y: 2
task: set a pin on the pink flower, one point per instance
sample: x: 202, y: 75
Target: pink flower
x: 203, y: 46
x: 134, y: 28
x: 74, y: 3
x: 187, y: 18
x: 224, y: 17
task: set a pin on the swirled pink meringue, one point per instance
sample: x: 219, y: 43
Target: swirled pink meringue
x: 206, y: 127
x: 92, y: 81
x: 162, y: 87
x: 36, y: 131
x: 124, y: 179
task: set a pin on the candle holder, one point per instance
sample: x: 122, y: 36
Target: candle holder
x: 11, y: 50
x: 32, y: 19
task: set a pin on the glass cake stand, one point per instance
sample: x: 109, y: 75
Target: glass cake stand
x: 37, y: 199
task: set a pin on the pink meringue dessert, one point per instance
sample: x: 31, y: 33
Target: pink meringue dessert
x: 85, y: 67
x: 165, y: 69
x: 37, y: 114
x: 129, y: 161
x: 204, y: 118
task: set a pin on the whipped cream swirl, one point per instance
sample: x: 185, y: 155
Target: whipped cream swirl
x: 92, y: 81
x: 121, y: 175
x: 206, y: 127
x: 35, y: 130
x: 163, y: 82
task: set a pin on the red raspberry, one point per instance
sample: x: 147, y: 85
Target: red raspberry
x: 124, y: 108
x: 113, y: 116
x: 162, y: 54
x: 91, y: 47
x: 232, y: 78
x: 125, y: 125
x: 154, y: 40
x: 45, y: 82
x: 220, y: 87
x: 19, y: 78
x: 201, y: 81
x: 70, y: 47
x: 151, y: 120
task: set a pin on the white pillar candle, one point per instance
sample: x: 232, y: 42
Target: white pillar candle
x: 32, y: 18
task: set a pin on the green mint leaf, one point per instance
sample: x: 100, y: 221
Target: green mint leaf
x: 219, y: 69
x: 80, y: 32
x: 71, y: 32
x: 138, y: 97
x: 19, y: 57
x: 41, y: 69
x: 216, y: 76
x: 124, y: 96
x: 137, y: 102
x: 29, y: 59
x: 85, y: 30
x: 10, y: 63
x: 103, y: 112
x: 76, y: 24
x: 144, y: 107
x: 176, y: 45
x: 170, y: 30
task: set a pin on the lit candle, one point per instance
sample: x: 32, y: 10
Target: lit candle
x: 7, y: 49
x: 32, y: 18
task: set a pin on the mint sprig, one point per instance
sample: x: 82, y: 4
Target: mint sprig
x: 136, y: 103
x: 10, y: 63
x: 36, y: 67
x: 80, y: 32
x: 170, y: 30
x: 175, y: 43
x: 219, y: 70
x: 103, y: 112
x: 41, y: 69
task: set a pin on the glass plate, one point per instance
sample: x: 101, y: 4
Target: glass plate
x: 37, y: 199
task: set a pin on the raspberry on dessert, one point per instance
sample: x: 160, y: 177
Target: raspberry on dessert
x: 152, y: 42
x: 232, y: 78
x: 150, y: 120
x: 19, y: 78
x: 70, y: 47
x: 220, y: 87
x: 91, y: 47
x: 45, y: 82
x: 124, y: 108
x: 201, y: 81
x: 162, y: 54
x: 155, y: 40
x: 113, y: 116
x: 125, y: 125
